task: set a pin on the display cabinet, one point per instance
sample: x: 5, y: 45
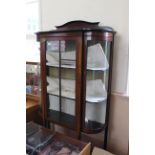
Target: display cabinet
x: 96, y: 83
x: 32, y: 91
x: 32, y: 79
x: 76, y: 67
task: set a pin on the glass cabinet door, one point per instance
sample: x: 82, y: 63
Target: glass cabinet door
x: 97, y: 72
x: 61, y: 84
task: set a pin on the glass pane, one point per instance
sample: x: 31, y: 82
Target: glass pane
x: 61, y: 64
x: 52, y: 57
x: 68, y: 59
x: 96, y: 84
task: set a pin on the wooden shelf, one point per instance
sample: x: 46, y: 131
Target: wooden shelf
x: 61, y: 118
x: 73, y: 67
x: 31, y: 110
x: 88, y: 99
x: 32, y: 97
x: 32, y: 106
x: 62, y: 66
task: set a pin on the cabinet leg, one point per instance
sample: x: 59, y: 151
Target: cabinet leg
x: 105, y: 138
x: 78, y: 135
x: 47, y: 124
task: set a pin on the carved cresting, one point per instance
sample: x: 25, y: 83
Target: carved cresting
x: 78, y: 24
x: 89, y: 28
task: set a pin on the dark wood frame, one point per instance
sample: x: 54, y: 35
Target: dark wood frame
x: 79, y: 31
x: 54, y: 37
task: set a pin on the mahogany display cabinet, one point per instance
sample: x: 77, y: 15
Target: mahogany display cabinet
x: 76, y: 73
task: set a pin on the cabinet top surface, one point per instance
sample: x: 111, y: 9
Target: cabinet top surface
x: 78, y: 25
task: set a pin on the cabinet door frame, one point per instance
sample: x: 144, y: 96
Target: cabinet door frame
x: 77, y: 36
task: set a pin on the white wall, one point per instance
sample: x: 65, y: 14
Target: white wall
x: 108, y: 12
x: 118, y: 136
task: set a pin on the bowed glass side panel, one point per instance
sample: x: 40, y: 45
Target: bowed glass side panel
x: 61, y: 64
x: 97, y: 70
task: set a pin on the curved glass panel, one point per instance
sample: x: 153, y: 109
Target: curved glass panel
x: 96, y: 84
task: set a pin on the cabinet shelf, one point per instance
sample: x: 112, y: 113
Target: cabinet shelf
x: 93, y: 126
x: 73, y: 67
x: 70, y: 98
x: 96, y: 91
x: 62, y: 66
x: 88, y: 99
x: 95, y: 99
x: 61, y: 118
x: 97, y: 69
